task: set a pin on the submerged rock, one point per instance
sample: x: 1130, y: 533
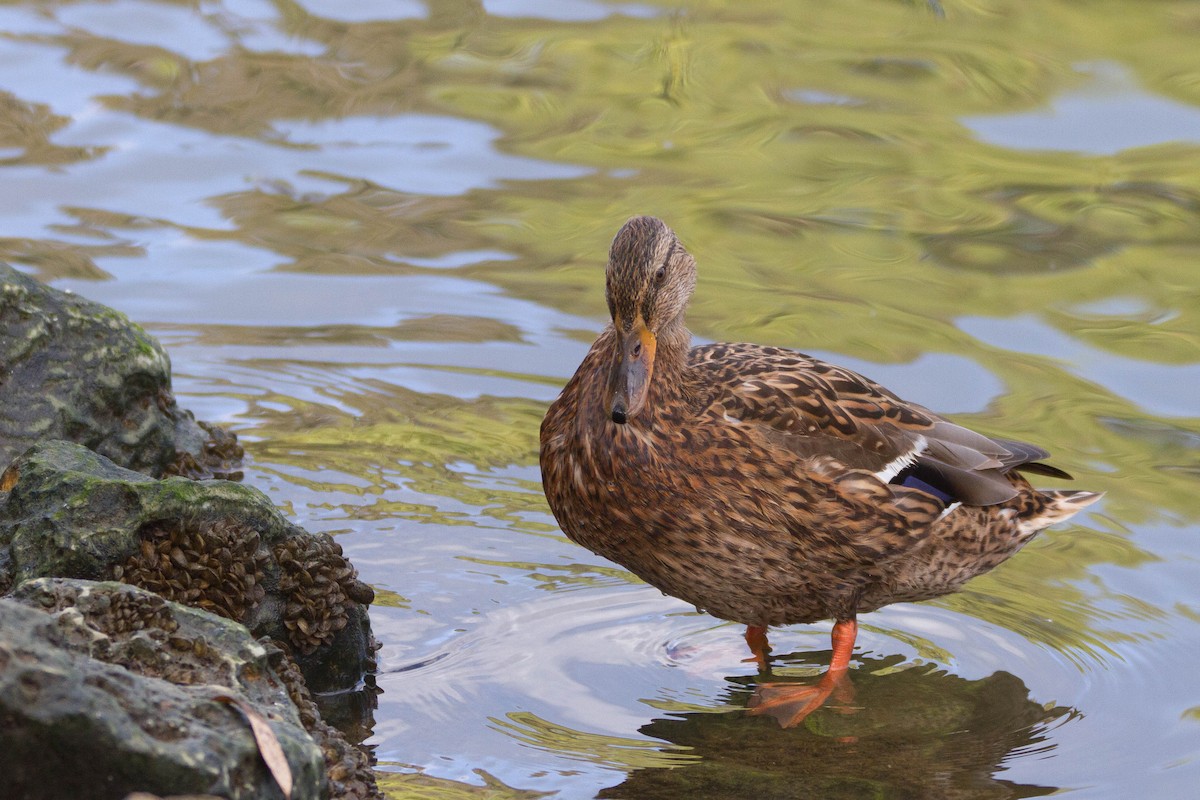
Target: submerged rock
x: 219, y: 546
x: 77, y: 370
x: 107, y: 689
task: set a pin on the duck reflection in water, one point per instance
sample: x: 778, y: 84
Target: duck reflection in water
x: 765, y: 486
x: 920, y: 732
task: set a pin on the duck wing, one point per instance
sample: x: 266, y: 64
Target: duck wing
x: 816, y: 409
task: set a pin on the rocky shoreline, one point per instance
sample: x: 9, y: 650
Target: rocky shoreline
x: 137, y: 584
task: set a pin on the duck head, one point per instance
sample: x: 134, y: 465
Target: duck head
x: 648, y: 283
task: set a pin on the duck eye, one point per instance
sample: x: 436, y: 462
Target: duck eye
x: 660, y: 274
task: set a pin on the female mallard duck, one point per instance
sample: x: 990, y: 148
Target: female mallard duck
x: 764, y: 486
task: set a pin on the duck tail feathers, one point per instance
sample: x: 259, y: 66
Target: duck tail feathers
x: 1060, y: 506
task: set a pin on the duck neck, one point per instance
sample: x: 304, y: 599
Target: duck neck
x: 671, y: 358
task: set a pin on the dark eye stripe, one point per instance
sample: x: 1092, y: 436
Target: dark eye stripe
x: 662, y: 269
x: 659, y: 274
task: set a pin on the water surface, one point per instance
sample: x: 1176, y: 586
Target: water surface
x: 372, y: 235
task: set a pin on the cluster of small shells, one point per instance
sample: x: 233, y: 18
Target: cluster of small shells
x: 221, y: 457
x: 319, y: 586
x: 112, y: 613
x: 214, y: 566
x: 117, y: 614
x: 164, y: 652
x: 348, y: 767
x: 138, y: 631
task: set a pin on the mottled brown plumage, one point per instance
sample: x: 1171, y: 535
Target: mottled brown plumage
x: 760, y: 484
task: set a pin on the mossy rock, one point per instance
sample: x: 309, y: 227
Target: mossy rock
x: 66, y: 511
x: 107, y: 689
x: 77, y: 370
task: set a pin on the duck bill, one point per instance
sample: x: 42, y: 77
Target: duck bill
x: 629, y: 380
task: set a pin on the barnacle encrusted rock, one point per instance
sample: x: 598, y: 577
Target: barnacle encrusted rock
x: 321, y: 590
x: 216, y: 545
x: 78, y: 370
x: 347, y: 767
x: 106, y: 689
x: 218, y: 566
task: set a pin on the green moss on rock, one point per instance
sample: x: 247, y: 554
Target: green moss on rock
x: 78, y: 370
x: 69, y: 512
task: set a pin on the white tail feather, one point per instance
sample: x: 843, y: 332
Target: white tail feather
x: 1060, y: 507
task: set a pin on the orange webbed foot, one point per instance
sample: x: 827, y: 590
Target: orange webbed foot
x: 791, y: 703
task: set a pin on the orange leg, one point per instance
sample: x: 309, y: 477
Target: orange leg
x: 760, y: 648
x: 790, y: 703
x: 845, y: 631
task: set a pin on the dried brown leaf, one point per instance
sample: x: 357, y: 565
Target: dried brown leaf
x: 268, y: 745
x: 9, y: 479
